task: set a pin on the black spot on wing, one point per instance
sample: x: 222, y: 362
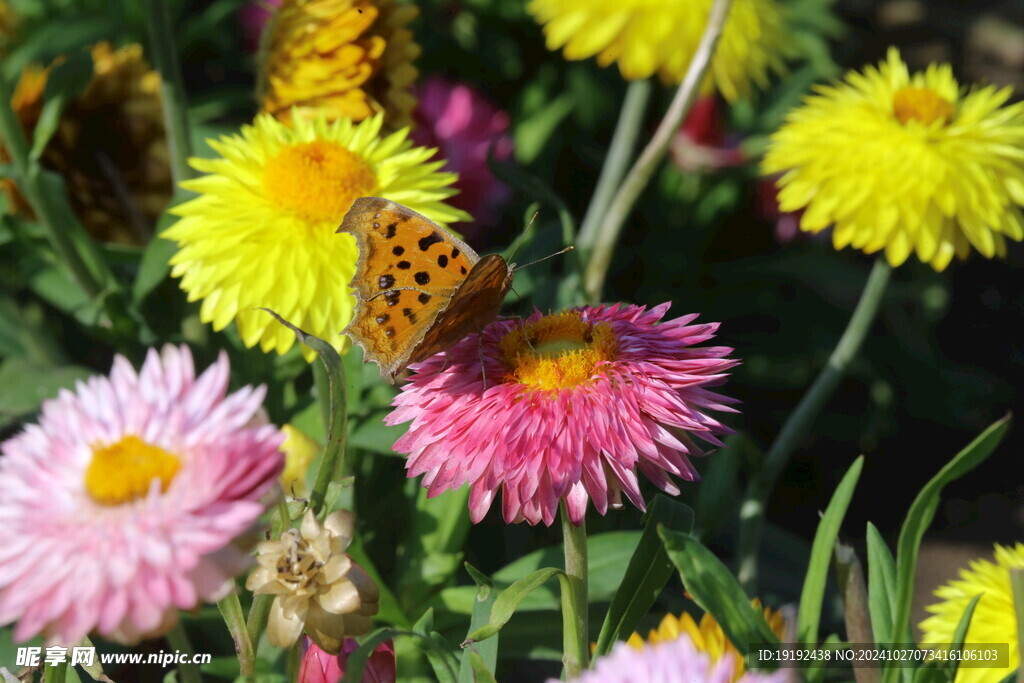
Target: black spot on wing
x: 386, y: 281
x: 421, y: 278
x: 392, y: 297
x: 442, y: 261
x: 398, y: 251
x: 429, y: 240
x: 391, y: 231
x: 462, y: 269
x: 408, y: 313
x: 390, y: 332
x: 455, y: 253
x: 404, y: 265
x: 381, y: 319
x: 423, y: 297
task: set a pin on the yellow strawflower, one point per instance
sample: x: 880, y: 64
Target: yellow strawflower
x: 707, y: 636
x: 299, y: 452
x: 342, y: 58
x: 261, y: 233
x: 994, y: 619
x: 908, y: 163
x: 645, y: 37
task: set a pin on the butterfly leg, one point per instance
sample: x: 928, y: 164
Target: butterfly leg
x: 480, y: 351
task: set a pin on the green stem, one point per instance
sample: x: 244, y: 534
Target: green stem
x: 639, y: 175
x: 178, y: 639
x: 334, y: 402
x: 231, y: 609
x: 620, y: 153
x: 55, y: 674
x: 172, y: 88
x: 800, y: 420
x: 575, y: 631
x: 1017, y: 583
x: 259, y: 614
x: 69, y: 240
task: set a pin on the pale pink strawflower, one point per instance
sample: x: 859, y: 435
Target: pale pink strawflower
x: 673, y: 661
x: 572, y: 406
x: 464, y: 124
x: 127, y: 501
x: 319, y: 666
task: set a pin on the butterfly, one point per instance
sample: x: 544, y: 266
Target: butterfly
x: 419, y: 289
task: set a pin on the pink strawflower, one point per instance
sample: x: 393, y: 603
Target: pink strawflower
x: 463, y: 124
x: 253, y: 18
x: 321, y: 667
x: 572, y: 405
x: 673, y: 661
x: 120, y: 507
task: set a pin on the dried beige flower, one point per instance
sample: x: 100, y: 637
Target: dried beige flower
x: 319, y: 589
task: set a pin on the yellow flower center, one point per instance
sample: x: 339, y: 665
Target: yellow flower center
x: 317, y: 181
x: 122, y: 472
x: 921, y: 104
x: 557, y: 351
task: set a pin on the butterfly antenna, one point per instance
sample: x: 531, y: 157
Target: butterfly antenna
x: 557, y: 253
x: 522, y: 236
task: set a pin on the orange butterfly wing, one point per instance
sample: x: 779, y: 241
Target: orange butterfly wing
x: 411, y: 283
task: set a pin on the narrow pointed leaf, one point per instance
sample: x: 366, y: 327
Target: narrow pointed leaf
x: 505, y: 604
x: 821, y: 555
x: 717, y: 591
x: 648, y: 571
x: 922, y: 512
x: 482, y: 655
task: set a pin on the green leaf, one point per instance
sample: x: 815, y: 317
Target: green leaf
x: 376, y: 437
x: 481, y: 673
x: 717, y: 591
x: 62, y: 33
x: 922, y: 512
x: 334, y: 451
x: 482, y: 655
x: 25, y: 385
x: 960, y: 634
x: 155, y: 264
x: 942, y: 671
x: 64, y: 82
x: 439, y: 653
x: 434, y: 551
x: 534, y: 131
x: 390, y: 610
x: 431, y: 643
x: 648, y: 571
x: 505, y: 604
x: 881, y: 585
x: 821, y: 555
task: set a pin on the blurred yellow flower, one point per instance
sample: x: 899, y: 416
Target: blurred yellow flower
x: 261, y: 233
x: 994, y: 619
x: 645, y: 37
x: 109, y: 146
x: 344, y: 58
x: 299, y: 451
x: 905, y: 162
x: 707, y: 636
